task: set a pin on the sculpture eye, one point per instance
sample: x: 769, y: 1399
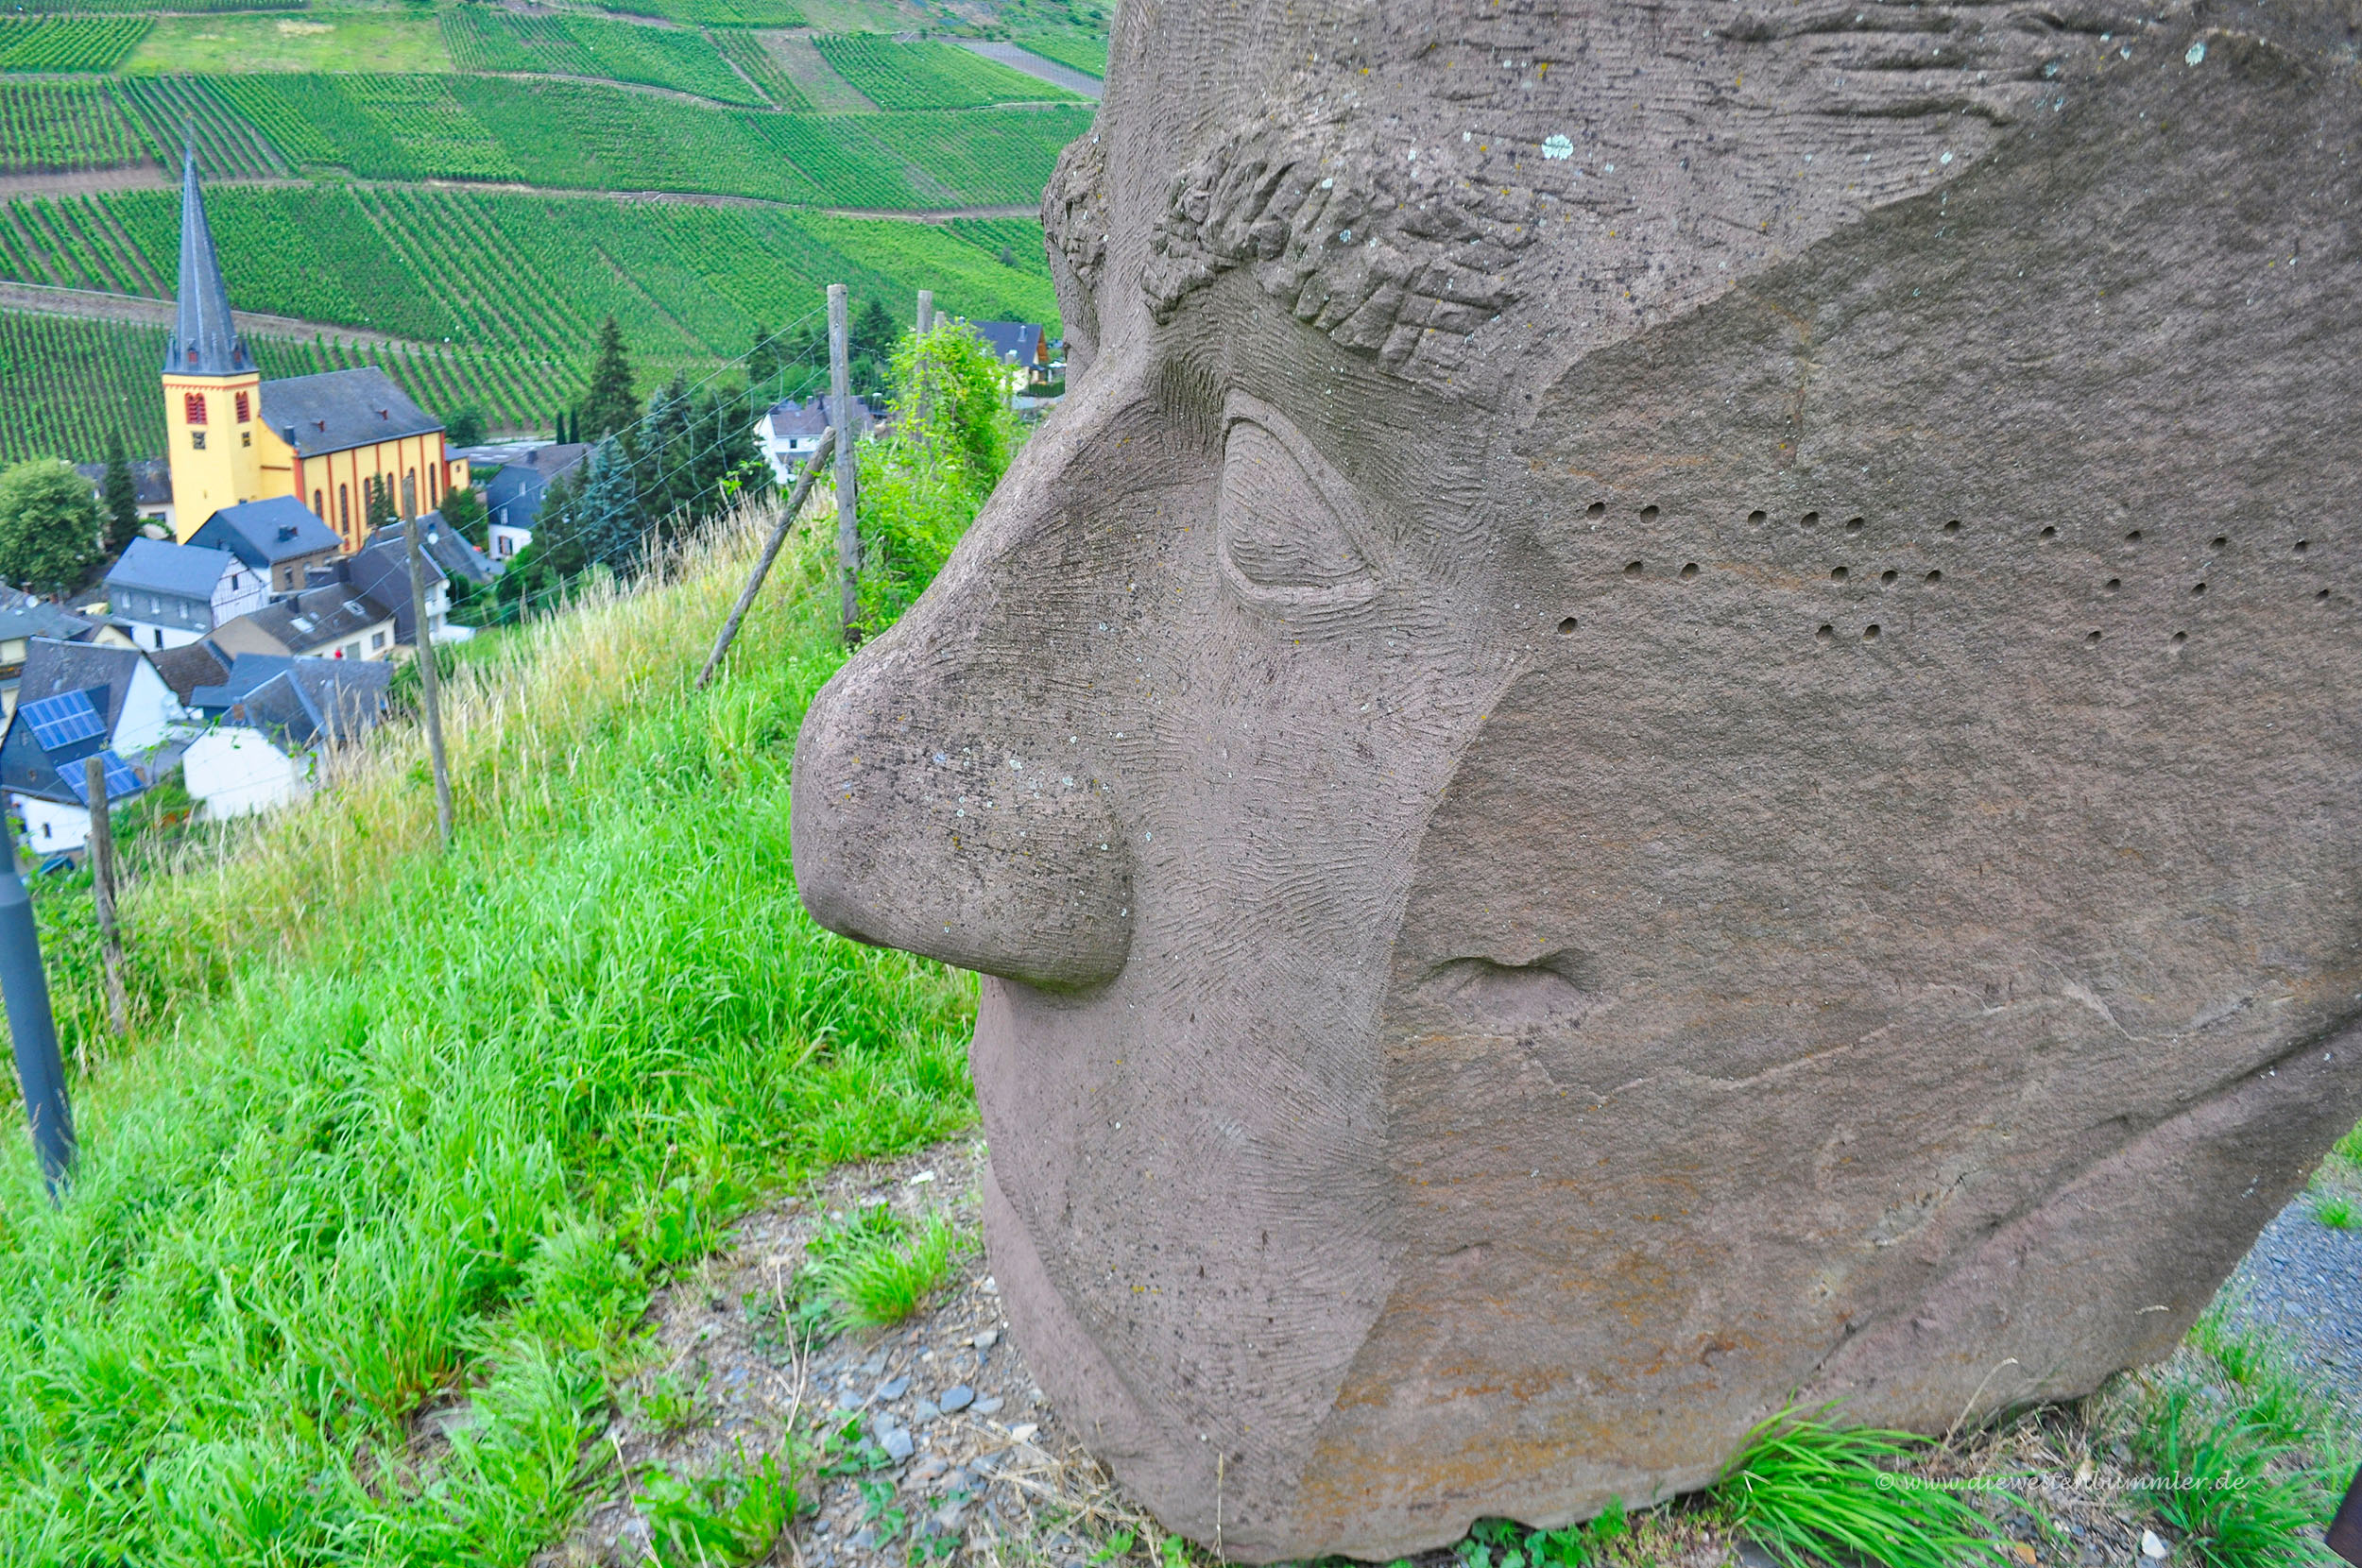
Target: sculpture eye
x: 1291, y: 537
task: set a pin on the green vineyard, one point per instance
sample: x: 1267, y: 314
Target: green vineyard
x: 517, y: 284
x: 562, y: 45
x: 172, y: 109
x: 50, y: 127
x: 711, y: 13
x: 923, y: 74
x: 68, y: 384
x: 757, y: 63
x: 1084, y: 52
x: 69, y: 43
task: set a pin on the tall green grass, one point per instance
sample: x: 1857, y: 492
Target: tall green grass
x: 397, y: 1129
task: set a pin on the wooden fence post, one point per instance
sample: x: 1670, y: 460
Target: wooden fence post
x: 102, y: 860
x: 841, y: 418
x: 424, y: 631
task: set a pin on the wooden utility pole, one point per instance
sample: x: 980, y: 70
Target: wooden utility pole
x: 770, y: 553
x: 426, y: 634
x: 102, y: 863
x: 841, y: 420
x: 926, y: 325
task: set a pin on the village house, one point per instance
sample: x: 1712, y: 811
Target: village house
x: 512, y: 493
x: 169, y: 594
x: 271, y: 719
x: 788, y: 430
x: 277, y: 537
x: 76, y: 699
x: 151, y: 488
x: 23, y: 618
x: 334, y: 621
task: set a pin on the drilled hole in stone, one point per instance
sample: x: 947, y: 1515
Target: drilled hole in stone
x: 2092, y: 637
x: 1690, y: 570
x: 1869, y: 633
x: 1594, y: 509
x: 1952, y: 527
x: 2134, y: 536
x: 1811, y: 519
x: 2198, y: 590
x: 2220, y: 542
x: 1889, y: 575
x: 1757, y: 518
x: 1853, y: 525
x: 2113, y: 584
x: 1827, y: 633
x: 2304, y: 545
x: 1934, y: 577
x: 1836, y: 574
x: 1647, y: 513
x: 1631, y: 568
x: 2048, y: 532
x: 2179, y: 638
x: 1567, y: 627
x: 2323, y: 594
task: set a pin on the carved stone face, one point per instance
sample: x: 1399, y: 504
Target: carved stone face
x: 1669, y: 727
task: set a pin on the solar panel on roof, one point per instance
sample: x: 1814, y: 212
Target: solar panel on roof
x: 61, y: 720
x: 120, y: 780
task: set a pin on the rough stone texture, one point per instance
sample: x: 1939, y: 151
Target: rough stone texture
x: 1711, y: 728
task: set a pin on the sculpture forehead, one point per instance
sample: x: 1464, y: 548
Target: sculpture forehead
x: 1448, y: 190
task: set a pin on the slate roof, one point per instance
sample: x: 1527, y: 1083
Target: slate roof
x: 264, y: 532
x: 1021, y: 338
x: 180, y: 570
x: 300, y: 700
x: 789, y: 418
x: 190, y: 666
x: 205, y: 340
x: 25, y: 616
x: 512, y: 492
x: 446, y: 552
x: 52, y: 668
x: 151, y: 479
x: 337, y: 409
x: 315, y: 618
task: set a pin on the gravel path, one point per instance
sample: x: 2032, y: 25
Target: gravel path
x: 2306, y: 1279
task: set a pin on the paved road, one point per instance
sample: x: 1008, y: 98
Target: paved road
x: 1034, y: 65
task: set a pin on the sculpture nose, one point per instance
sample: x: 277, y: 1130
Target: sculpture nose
x: 945, y: 797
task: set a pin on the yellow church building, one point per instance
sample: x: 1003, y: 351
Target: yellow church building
x: 326, y: 439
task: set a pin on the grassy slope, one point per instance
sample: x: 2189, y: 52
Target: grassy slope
x: 396, y: 1124
x: 310, y: 41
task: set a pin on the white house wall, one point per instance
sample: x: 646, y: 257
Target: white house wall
x: 50, y: 827
x: 149, y: 638
x: 149, y: 708
x: 233, y: 771
x: 241, y: 591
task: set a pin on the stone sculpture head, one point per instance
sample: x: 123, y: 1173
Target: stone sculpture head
x: 1668, y: 727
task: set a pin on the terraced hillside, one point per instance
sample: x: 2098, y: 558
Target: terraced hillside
x: 514, y: 179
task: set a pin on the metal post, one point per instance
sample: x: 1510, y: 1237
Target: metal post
x: 33, y: 1031
x: 411, y: 531
x: 102, y: 864
x: 841, y: 418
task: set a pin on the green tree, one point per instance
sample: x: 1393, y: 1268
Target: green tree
x: 379, y: 509
x: 49, y: 526
x: 465, y: 428
x: 122, y: 496
x: 922, y: 482
x: 463, y: 513
x: 609, y: 405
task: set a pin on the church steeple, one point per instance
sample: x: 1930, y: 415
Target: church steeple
x: 206, y: 341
